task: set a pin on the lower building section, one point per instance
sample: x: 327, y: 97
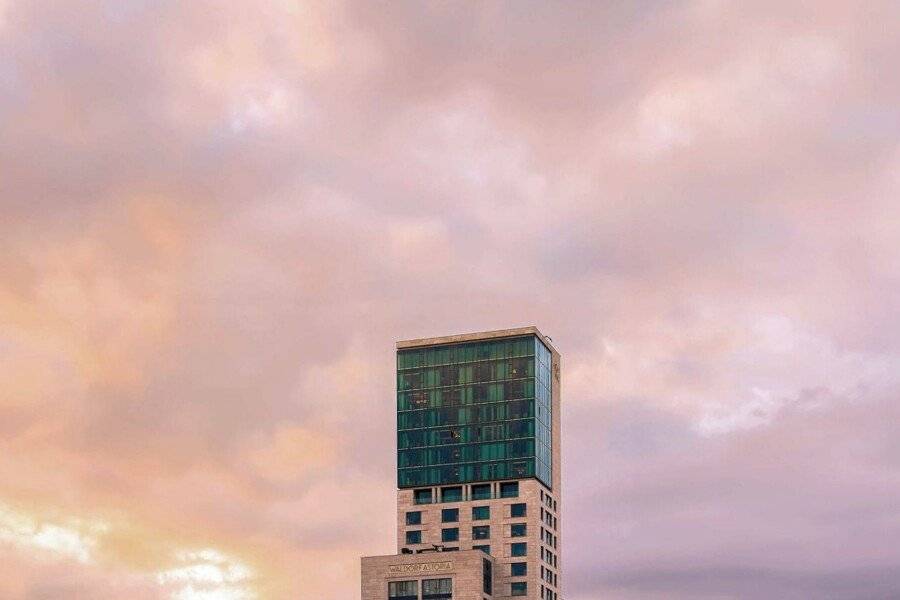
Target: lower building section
x: 464, y: 575
x: 516, y: 522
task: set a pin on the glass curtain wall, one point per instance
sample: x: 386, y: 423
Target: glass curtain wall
x: 476, y: 411
x: 543, y: 410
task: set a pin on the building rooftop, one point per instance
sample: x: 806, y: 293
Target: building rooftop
x: 472, y: 337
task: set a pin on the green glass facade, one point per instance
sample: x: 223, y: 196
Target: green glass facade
x: 474, y: 411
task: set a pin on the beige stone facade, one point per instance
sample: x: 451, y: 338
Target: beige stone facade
x: 542, y: 534
x: 465, y: 569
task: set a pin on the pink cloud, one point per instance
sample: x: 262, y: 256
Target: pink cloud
x: 217, y: 220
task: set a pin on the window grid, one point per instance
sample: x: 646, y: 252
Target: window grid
x: 473, y: 412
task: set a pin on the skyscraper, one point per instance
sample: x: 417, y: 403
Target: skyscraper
x: 478, y: 470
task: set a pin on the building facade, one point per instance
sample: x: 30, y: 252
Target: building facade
x: 478, y: 461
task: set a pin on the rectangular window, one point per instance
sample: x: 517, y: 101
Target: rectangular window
x: 517, y: 510
x: 413, y: 537
x: 481, y: 532
x: 451, y: 494
x: 509, y: 489
x: 483, y: 548
x: 450, y: 535
x: 437, y: 589
x: 414, y: 517
x: 422, y: 496
x: 403, y: 590
x: 450, y: 515
x: 481, y: 492
x: 518, y: 549
x: 518, y: 530
x: 487, y: 585
x: 519, y: 569
x: 481, y: 513
x: 519, y: 588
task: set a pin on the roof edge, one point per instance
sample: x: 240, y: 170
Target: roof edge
x: 472, y: 337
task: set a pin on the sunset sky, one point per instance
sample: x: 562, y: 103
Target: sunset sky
x: 218, y: 217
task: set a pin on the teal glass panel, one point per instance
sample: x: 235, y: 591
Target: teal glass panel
x: 481, y: 492
x: 543, y: 412
x: 451, y: 494
x: 469, y: 412
x: 509, y: 490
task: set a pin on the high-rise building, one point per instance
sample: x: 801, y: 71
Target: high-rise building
x: 478, y: 471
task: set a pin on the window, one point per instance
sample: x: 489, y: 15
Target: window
x: 437, y: 589
x: 403, y: 590
x: 519, y: 569
x: 481, y: 532
x: 481, y: 513
x: 450, y: 515
x: 451, y: 494
x: 422, y: 496
x: 450, y: 549
x: 487, y: 585
x: 414, y: 517
x: 518, y: 530
x: 485, y: 549
x: 509, y: 489
x: 413, y: 537
x: 517, y: 510
x: 518, y: 549
x: 519, y: 588
x: 481, y: 492
x: 450, y: 535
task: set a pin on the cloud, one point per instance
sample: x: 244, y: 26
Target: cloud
x: 218, y: 219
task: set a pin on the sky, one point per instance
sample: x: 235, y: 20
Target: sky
x: 218, y: 218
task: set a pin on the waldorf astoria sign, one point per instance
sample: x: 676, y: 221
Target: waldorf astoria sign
x: 438, y: 567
